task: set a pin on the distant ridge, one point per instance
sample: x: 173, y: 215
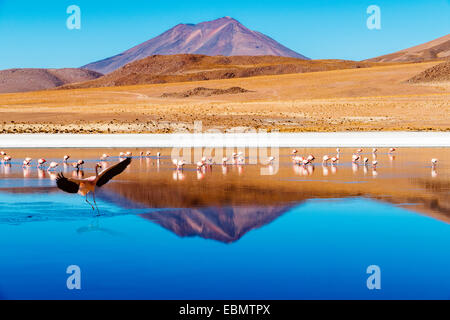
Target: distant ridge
x: 225, y: 36
x: 194, y: 67
x: 22, y: 80
x: 436, y: 49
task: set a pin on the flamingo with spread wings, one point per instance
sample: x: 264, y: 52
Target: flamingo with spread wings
x: 84, y: 186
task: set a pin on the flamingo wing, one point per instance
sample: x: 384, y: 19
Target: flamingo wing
x: 112, y: 171
x: 66, y: 185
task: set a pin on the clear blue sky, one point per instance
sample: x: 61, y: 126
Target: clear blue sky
x: 34, y: 33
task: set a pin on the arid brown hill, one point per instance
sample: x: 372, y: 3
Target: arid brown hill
x: 21, y: 80
x: 438, y: 73
x: 432, y: 50
x: 225, y: 36
x: 189, y: 67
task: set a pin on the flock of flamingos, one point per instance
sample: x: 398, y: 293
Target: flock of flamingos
x: 237, y: 158
x: 83, y: 186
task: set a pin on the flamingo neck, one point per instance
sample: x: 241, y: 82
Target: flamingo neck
x: 96, y: 171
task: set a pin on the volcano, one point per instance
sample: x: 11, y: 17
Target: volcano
x: 221, y: 37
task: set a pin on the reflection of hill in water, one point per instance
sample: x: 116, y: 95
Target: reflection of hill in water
x: 226, y: 213
x: 226, y: 224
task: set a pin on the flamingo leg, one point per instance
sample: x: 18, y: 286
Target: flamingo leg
x: 89, y: 202
x: 93, y: 196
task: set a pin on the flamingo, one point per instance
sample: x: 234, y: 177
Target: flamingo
x: 158, y: 155
x: 7, y: 159
x: 391, y: 150
x: 179, y: 164
x: 148, y: 153
x: 359, y: 150
x: 84, y: 186
x: 66, y: 157
x: 434, y: 162
x: 41, y: 163
x: 2, y: 153
x: 374, y: 150
x: 366, y: 161
x: 224, y: 161
x: 270, y: 160
x: 27, y: 162
x: 80, y: 163
x: 325, y: 159
x: 128, y: 154
x: 355, y: 158
x: 298, y: 160
x: 374, y: 163
x: 200, y: 165
x: 53, y: 165
x: 104, y: 157
x: 310, y: 158
x: 334, y: 160
x: 294, y: 152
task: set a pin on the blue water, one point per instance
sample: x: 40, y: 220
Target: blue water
x: 317, y: 249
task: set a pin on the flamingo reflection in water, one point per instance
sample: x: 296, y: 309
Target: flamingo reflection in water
x: 85, y: 186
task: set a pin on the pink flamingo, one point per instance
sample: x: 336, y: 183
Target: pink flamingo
x: 52, y: 166
x: 66, y: 157
x: 325, y: 159
x: 179, y: 164
x: 41, y: 162
x: 27, y: 162
x: 434, y: 162
x: 77, y: 165
x: 85, y: 186
x: 7, y: 159
x: 298, y: 160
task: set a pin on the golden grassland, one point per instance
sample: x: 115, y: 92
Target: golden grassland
x: 375, y: 98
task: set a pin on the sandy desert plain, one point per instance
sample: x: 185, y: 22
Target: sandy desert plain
x: 377, y: 98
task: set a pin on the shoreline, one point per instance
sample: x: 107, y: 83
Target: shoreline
x: 306, y: 139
